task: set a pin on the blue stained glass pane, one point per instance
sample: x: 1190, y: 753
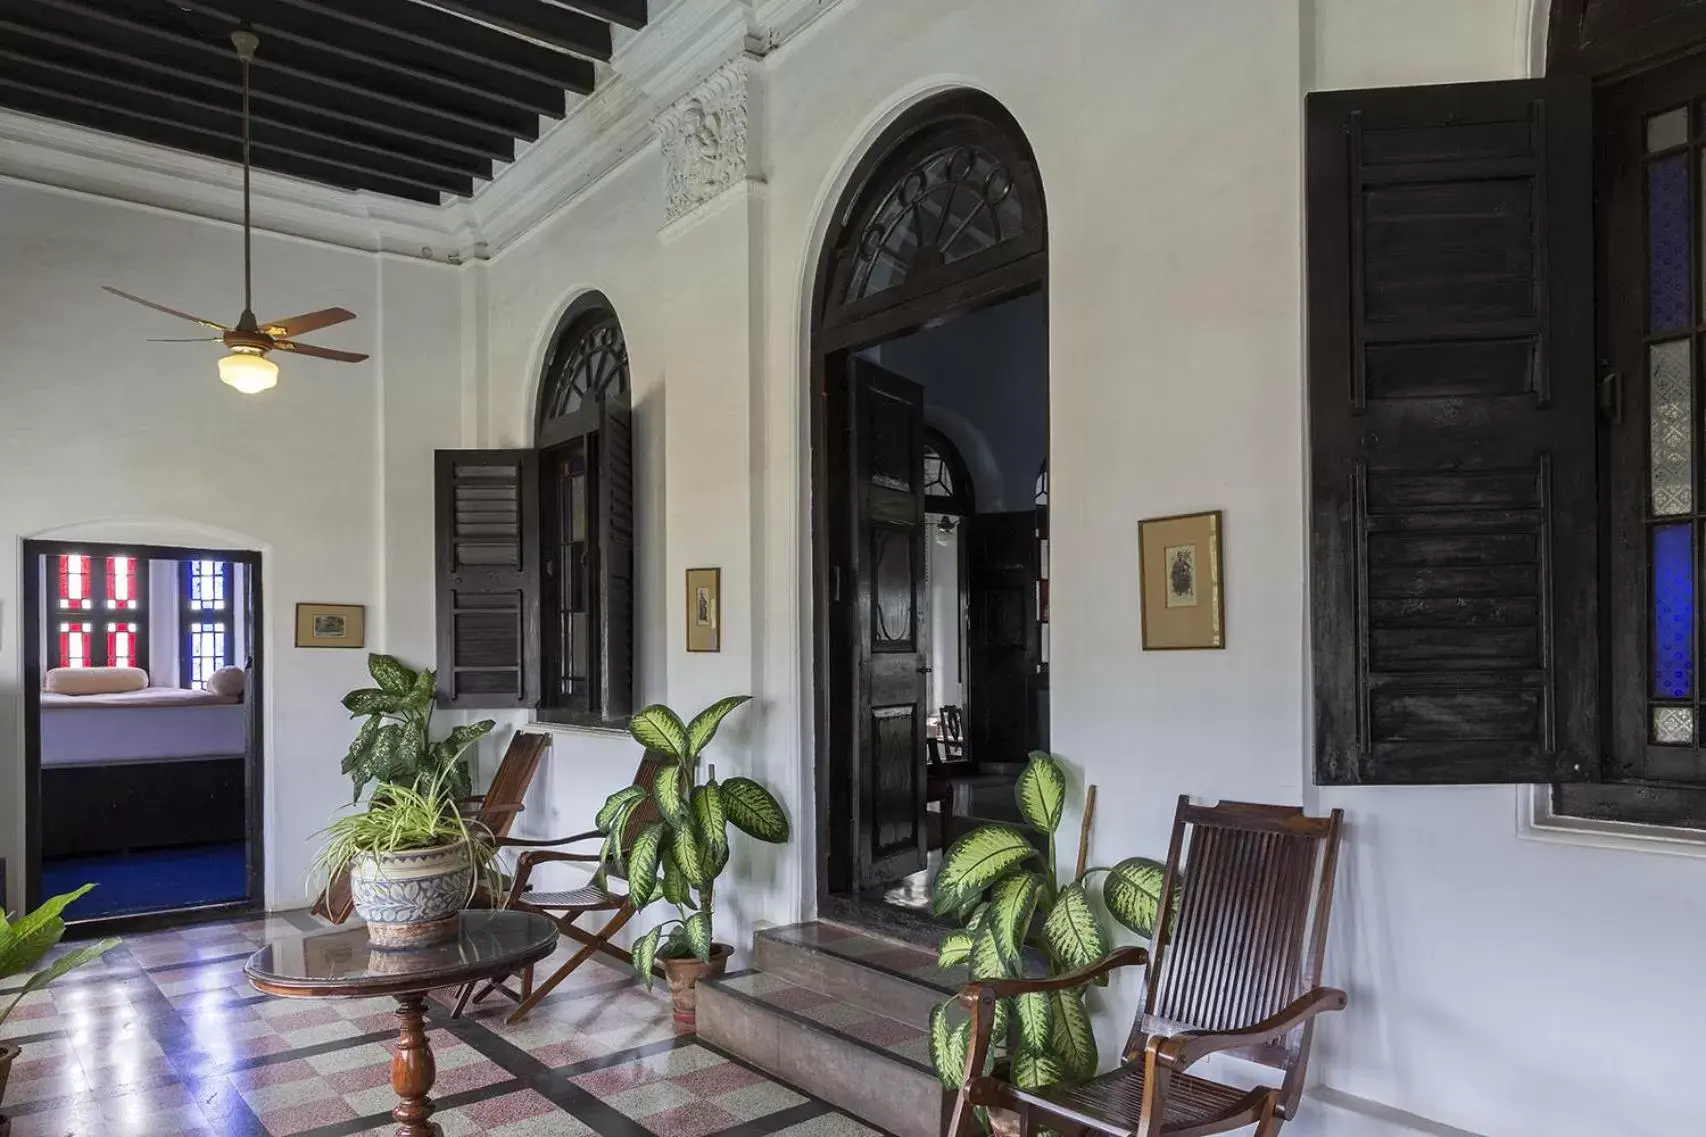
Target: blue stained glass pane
x: 1668, y: 244
x: 1673, y: 612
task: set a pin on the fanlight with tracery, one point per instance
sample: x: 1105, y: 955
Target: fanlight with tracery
x: 590, y: 363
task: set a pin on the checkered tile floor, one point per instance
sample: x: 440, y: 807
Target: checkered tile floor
x: 164, y: 1037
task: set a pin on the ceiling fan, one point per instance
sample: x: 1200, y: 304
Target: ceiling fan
x: 247, y: 368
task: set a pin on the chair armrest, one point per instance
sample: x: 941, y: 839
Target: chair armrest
x: 1186, y: 1048
x: 1005, y: 988
x: 520, y: 843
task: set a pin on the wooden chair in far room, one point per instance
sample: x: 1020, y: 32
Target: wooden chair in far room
x: 1237, y: 971
x: 495, y: 810
x: 567, y: 907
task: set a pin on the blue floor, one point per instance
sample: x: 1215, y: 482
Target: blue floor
x: 157, y: 880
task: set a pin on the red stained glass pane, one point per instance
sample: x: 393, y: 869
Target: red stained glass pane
x: 75, y: 641
x: 121, y: 582
x: 121, y: 645
x: 74, y: 582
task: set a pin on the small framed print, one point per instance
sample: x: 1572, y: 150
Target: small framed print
x: 331, y: 625
x: 1181, y: 580
x: 704, y: 609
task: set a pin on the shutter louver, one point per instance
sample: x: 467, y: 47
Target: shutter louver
x: 488, y: 578
x: 616, y: 551
x: 1452, y: 424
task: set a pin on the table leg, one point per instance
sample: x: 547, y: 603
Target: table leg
x: 413, y: 1070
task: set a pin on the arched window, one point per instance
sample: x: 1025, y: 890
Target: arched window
x: 536, y: 552
x: 947, y: 482
x: 953, y: 203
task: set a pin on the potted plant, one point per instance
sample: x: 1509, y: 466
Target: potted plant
x: 394, y: 745
x: 23, y: 944
x: 414, y: 861
x: 679, y: 858
x: 1015, y: 910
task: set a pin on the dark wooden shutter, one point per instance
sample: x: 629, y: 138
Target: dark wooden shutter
x: 616, y: 557
x: 1452, y: 433
x: 488, y: 578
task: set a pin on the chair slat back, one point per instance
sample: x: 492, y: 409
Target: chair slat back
x: 509, y: 785
x: 1250, y: 930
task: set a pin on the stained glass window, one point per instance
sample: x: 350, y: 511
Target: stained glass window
x: 938, y: 476
x: 205, y: 620
x: 1669, y: 244
x: 99, y: 585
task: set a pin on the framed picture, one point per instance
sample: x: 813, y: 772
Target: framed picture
x: 331, y: 625
x: 1181, y: 578
x: 704, y: 609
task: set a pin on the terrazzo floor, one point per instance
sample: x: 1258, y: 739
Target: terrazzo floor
x: 165, y: 1037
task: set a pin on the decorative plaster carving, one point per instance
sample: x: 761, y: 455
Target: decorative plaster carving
x: 704, y: 136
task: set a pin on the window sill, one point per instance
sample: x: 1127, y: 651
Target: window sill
x: 1536, y: 821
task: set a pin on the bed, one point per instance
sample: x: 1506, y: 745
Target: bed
x: 143, y: 768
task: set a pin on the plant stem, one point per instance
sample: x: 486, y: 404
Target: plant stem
x: 1084, y: 830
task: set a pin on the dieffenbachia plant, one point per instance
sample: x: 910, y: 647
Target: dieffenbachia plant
x: 395, y: 745
x: 997, y: 881
x: 679, y: 858
x: 24, y: 942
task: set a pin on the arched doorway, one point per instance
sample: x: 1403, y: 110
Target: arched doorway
x: 929, y: 338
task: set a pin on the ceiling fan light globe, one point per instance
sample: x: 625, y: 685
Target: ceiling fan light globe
x: 248, y: 371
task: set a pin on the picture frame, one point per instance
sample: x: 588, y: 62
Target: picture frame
x: 704, y: 609
x: 1181, y: 582
x: 331, y: 625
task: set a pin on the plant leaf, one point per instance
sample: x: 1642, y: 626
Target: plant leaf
x: 1042, y: 792
x: 689, y: 856
x: 1074, y: 935
x: 391, y: 675
x: 1034, y: 1071
x: 1074, y: 1038
x: 645, y: 949
x: 713, y: 822
x: 617, y: 803
x: 671, y: 796
x: 643, y: 864
x: 753, y: 810
x: 1034, y: 1012
x: 359, y: 749
x: 704, y: 726
x: 70, y: 961
x: 675, y: 888
x: 987, y: 960
x: 382, y: 759
x: 658, y: 728
x: 1010, y: 909
x: 948, y: 1045
x: 975, y: 862
x: 698, y: 929
x: 462, y: 737
x: 1133, y: 894
x: 955, y: 949
x: 31, y: 936
x: 369, y: 701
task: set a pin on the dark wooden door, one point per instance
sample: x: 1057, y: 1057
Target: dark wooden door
x: 1001, y: 641
x: 887, y: 488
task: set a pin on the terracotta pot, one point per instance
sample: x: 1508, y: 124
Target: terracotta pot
x: 7, y: 1053
x: 410, y: 899
x: 684, y: 975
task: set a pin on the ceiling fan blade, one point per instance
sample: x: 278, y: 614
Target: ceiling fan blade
x: 168, y: 311
x: 321, y: 352
x: 192, y: 339
x: 307, y: 322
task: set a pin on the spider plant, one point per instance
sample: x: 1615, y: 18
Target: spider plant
x: 400, y: 818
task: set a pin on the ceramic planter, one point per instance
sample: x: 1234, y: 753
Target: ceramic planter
x: 7, y: 1053
x: 684, y: 975
x: 412, y: 898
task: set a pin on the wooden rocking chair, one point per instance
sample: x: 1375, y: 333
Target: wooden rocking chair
x: 565, y: 908
x: 1237, y: 971
x: 495, y: 810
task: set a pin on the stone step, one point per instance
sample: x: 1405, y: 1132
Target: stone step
x: 880, y: 975
x: 874, y: 1067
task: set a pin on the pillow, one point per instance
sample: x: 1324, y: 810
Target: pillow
x: 95, y: 680
x: 227, y: 681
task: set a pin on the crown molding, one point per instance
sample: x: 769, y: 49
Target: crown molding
x: 686, y: 42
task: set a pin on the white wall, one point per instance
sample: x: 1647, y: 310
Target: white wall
x: 106, y: 436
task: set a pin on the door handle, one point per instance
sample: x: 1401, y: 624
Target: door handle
x: 924, y: 671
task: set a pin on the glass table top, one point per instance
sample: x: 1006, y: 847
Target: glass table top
x: 342, y: 962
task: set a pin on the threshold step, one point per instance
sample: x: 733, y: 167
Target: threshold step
x: 880, y: 975
x: 874, y: 1067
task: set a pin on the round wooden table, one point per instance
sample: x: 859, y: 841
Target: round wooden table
x: 340, y: 963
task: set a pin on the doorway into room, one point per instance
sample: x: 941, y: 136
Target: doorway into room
x: 142, y: 731
x: 930, y: 507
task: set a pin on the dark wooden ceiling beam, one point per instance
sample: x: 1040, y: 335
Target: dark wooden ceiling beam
x: 85, y: 113
x: 546, y: 23
x: 305, y: 104
x: 278, y: 23
x: 455, y: 38
x: 155, y: 35
x: 125, y: 99
x: 196, y: 100
x: 628, y: 13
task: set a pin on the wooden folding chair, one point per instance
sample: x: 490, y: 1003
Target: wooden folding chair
x: 1237, y: 970
x: 495, y: 810
x: 565, y: 908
